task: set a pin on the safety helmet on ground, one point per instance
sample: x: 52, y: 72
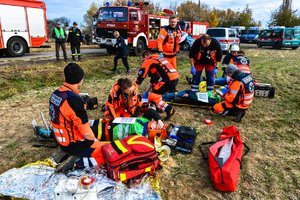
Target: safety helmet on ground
x: 235, y: 48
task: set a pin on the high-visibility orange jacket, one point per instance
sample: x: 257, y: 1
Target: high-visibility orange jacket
x: 168, y: 40
x: 158, y: 69
x: 242, y: 62
x: 119, y: 102
x: 68, y: 116
x: 241, y: 90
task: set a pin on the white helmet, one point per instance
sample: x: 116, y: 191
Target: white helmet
x: 234, y: 48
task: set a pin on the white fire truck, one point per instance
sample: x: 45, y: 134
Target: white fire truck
x: 139, y: 29
x: 22, y: 25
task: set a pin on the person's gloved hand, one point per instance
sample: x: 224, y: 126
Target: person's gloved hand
x: 214, y: 71
x: 161, y: 55
x: 193, y: 70
x: 222, y: 90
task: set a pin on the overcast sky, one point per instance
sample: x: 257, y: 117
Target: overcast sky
x: 75, y: 9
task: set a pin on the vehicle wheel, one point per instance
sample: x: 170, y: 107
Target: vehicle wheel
x: 277, y: 45
x: 140, y: 47
x: 259, y: 45
x: 16, y: 47
x: 110, y: 50
x: 186, y: 46
x: 294, y: 48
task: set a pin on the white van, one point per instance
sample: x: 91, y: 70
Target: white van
x: 226, y: 36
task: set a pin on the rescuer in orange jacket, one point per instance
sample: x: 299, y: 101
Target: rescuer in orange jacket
x: 236, y: 57
x: 163, y: 79
x: 67, y: 111
x: 168, y: 41
x: 205, y: 54
x: 238, y: 96
x: 124, y: 100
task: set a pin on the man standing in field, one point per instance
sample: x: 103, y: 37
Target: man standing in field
x: 205, y: 54
x: 75, y: 38
x: 168, y: 41
x: 59, y: 35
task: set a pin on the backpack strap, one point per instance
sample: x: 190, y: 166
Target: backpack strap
x: 204, y: 156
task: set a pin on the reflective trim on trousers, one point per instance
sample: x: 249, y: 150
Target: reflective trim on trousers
x: 195, y: 88
x: 61, y: 139
x: 210, y: 88
x: 165, y: 106
x: 93, y: 161
x: 85, y: 161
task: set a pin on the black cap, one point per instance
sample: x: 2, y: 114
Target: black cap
x: 73, y: 73
x: 75, y: 23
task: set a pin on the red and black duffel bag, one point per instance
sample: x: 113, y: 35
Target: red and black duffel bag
x: 225, y: 159
x: 130, y: 157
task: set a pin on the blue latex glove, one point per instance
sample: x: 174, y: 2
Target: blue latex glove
x: 193, y: 70
x: 161, y: 55
x: 214, y: 71
x: 222, y: 90
x: 145, y: 95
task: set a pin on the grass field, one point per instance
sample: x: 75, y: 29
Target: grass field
x: 270, y: 127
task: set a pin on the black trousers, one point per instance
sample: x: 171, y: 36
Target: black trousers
x: 63, y: 47
x: 77, y: 47
x: 124, y: 60
x: 167, y: 87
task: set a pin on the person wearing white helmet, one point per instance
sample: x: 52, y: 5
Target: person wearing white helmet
x: 237, y: 57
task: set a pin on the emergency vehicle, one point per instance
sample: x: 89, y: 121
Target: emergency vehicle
x: 23, y: 25
x: 252, y: 35
x: 139, y: 29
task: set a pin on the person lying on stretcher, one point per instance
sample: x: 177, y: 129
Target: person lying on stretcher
x: 148, y: 125
x: 193, y: 98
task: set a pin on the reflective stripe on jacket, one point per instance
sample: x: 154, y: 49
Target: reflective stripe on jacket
x: 59, y: 33
x: 68, y: 116
x: 117, y: 100
x: 241, y: 91
x: 158, y: 69
x: 168, y: 40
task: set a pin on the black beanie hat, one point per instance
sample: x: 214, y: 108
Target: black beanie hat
x: 73, y: 73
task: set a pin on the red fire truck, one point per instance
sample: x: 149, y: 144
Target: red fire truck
x: 139, y: 29
x: 22, y: 25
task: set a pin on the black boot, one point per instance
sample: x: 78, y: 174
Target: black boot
x: 67, y: 164
x: 240, y: 114
x: 79, y: 58
x: 73, y: 58
x: 169, y: 111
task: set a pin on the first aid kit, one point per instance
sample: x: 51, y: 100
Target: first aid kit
x: 128, y: 158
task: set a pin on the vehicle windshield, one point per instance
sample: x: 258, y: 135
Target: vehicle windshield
x: 254, y: 32
x: 292, y: 33
x: 216, y: 32
x: 113, y: 14
x: 266, y: 33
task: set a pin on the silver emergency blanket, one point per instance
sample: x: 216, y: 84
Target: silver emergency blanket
x: 39, y: 182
